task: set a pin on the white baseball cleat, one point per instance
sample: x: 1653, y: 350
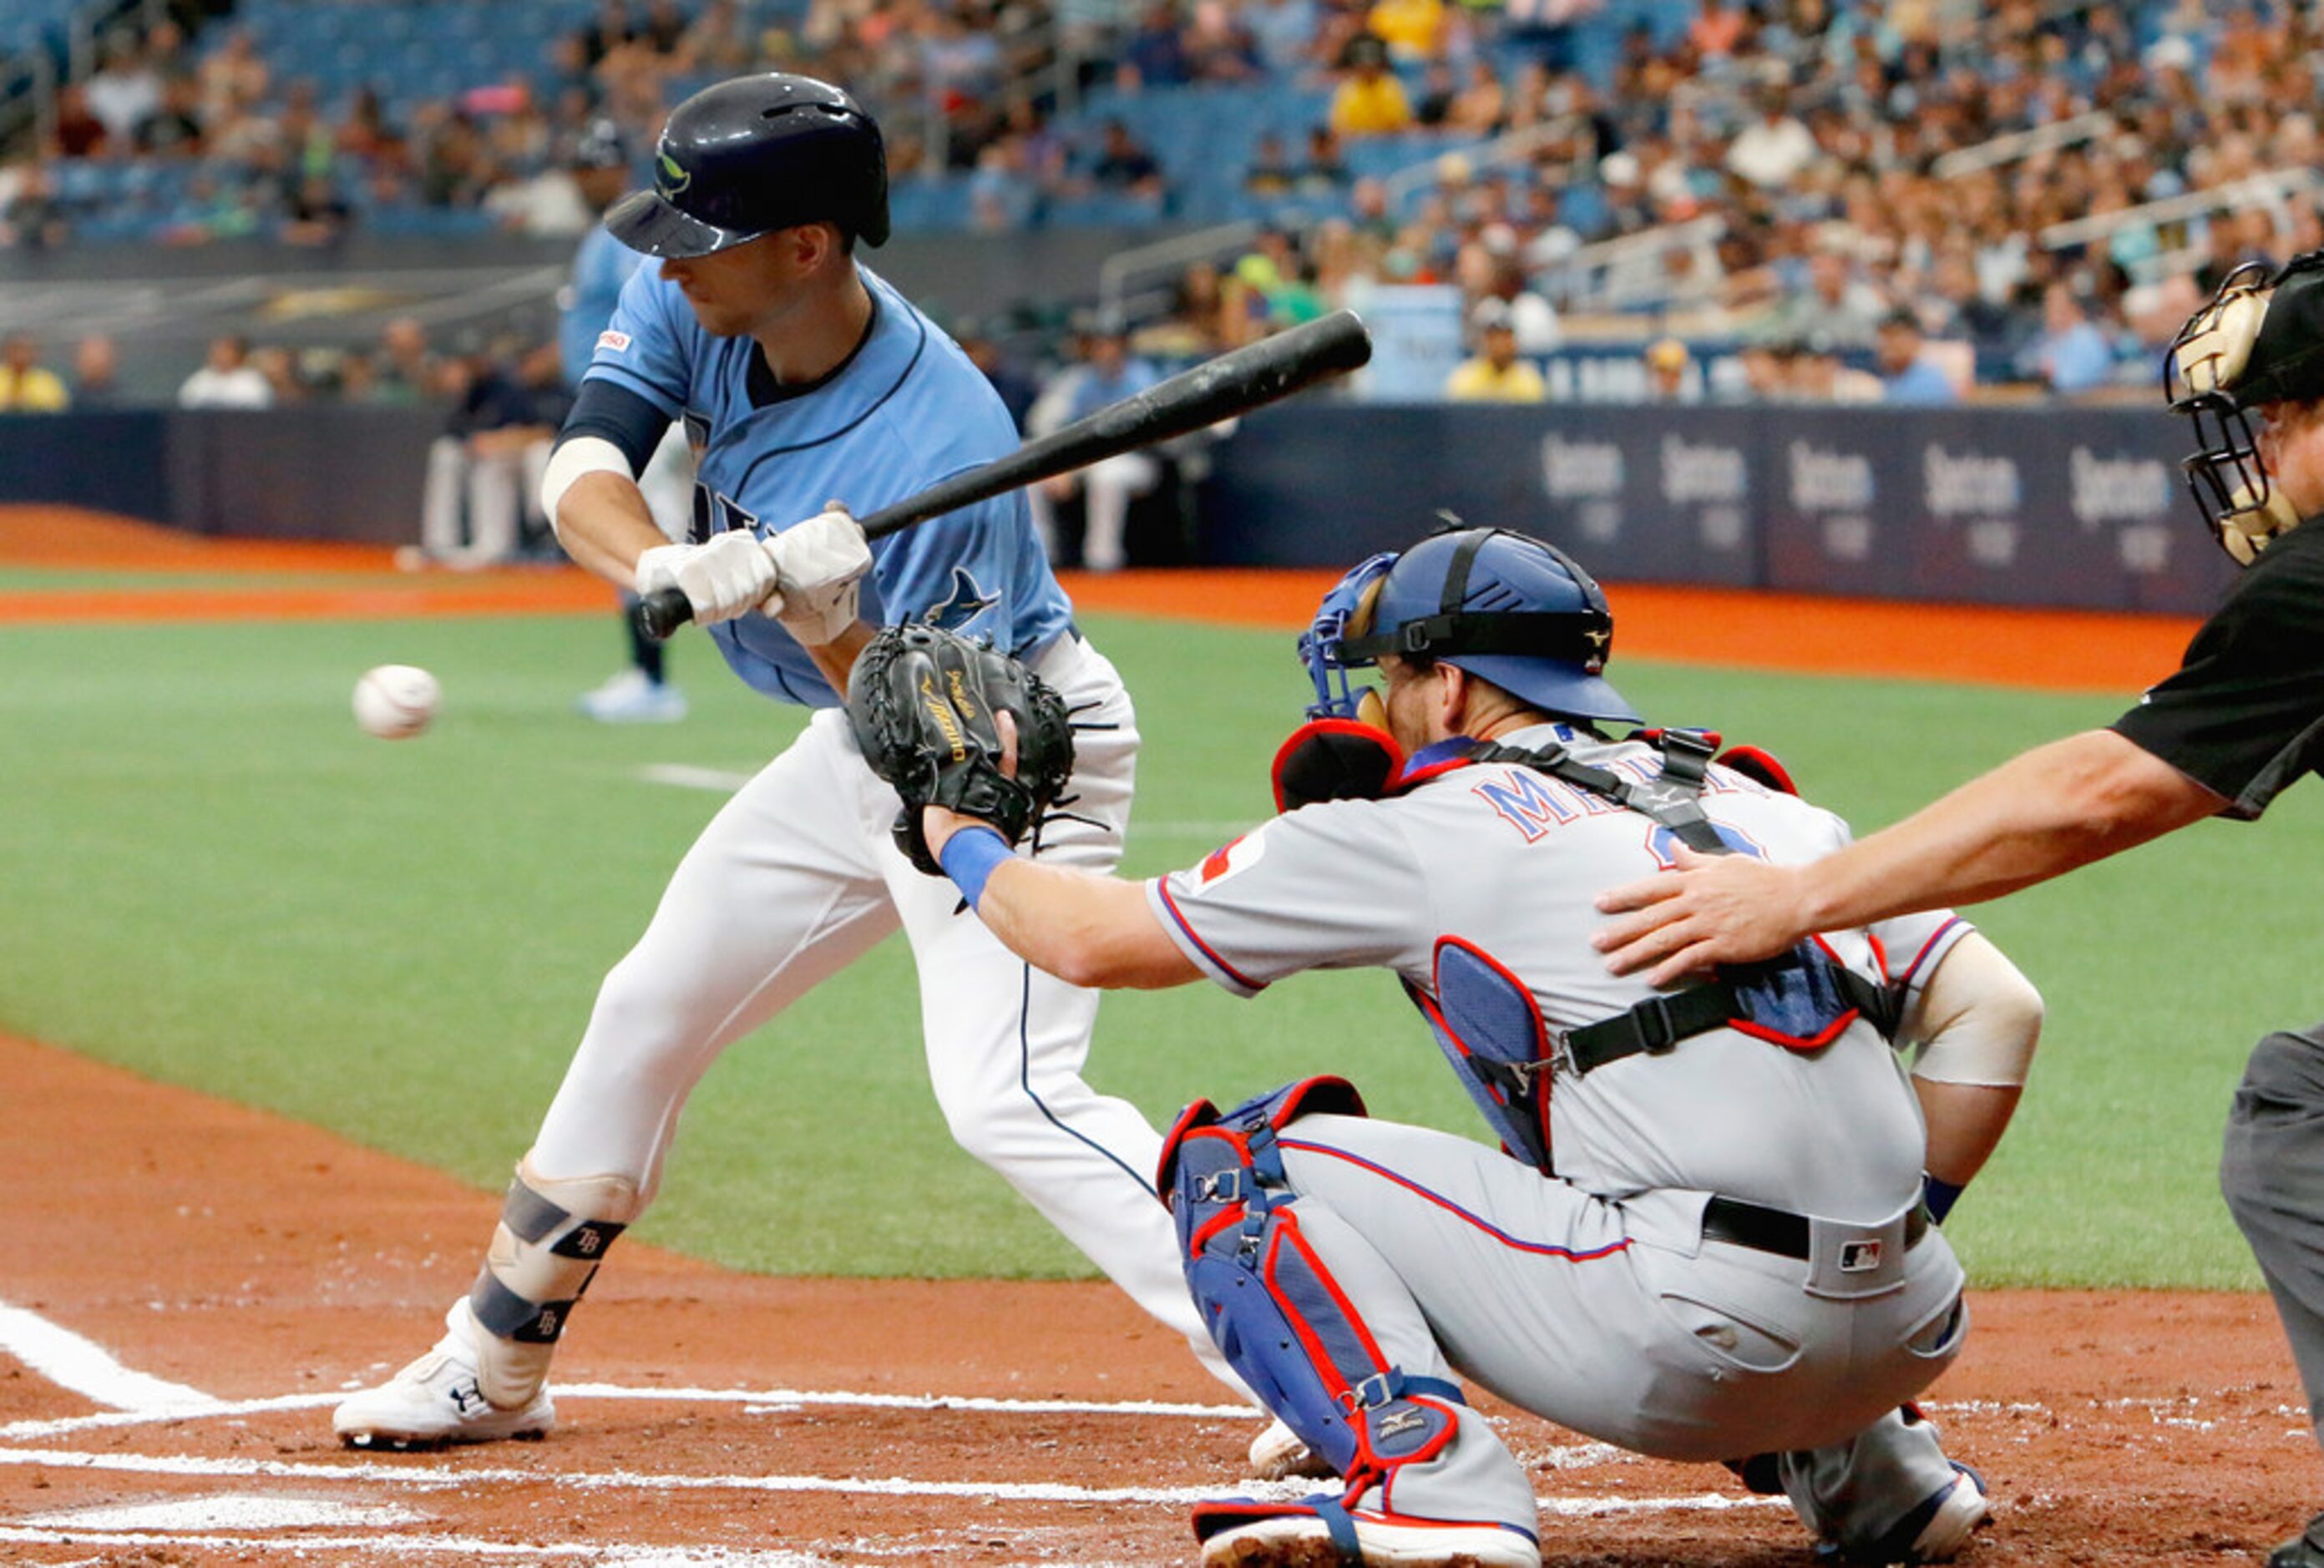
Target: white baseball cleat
x: 632, y: 698
x: 435, y: 1402
x: 1280, y: 1453
x: 1961, y: 1509
x: 1305, y: 1541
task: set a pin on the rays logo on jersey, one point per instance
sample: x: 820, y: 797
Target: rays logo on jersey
x: 964, y: 603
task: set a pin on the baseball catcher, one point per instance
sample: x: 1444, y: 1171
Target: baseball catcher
x: 1704, y: 1234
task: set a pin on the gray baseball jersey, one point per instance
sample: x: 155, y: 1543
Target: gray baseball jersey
x: 1506, y: 860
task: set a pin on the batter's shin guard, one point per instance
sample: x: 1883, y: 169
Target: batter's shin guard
x: 544, y: 1250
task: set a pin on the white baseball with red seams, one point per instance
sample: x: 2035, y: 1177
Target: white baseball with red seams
x: 396, y: 701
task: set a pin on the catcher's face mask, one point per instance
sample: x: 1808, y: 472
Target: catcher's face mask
x: 2256, y: 342
x: 1345, y: 614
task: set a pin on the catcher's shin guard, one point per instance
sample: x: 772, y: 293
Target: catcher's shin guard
x: 1271, y: 1304
x: 544, y: 1250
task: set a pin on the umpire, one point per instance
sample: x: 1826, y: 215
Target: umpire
x: 2241, y: 718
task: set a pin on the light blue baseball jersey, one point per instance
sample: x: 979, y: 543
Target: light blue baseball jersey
x: 601, y: 266
x: 905, y: 412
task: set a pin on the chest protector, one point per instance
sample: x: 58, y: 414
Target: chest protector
x: 1491, y: 1030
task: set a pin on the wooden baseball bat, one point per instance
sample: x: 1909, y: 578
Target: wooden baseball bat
x: 1250, y: 377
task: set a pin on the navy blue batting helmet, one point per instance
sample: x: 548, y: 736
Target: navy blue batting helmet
x: 750, y: 156
x: 1506, y: 608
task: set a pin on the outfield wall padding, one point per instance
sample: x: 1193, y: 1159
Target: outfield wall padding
x: 2069, y: 506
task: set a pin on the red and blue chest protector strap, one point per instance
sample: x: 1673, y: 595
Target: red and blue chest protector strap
x: 1800, y: 1000
x: 1272, y: 1304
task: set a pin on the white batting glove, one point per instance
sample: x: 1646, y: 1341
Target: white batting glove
x: 731, y: 576
x: 819, y: 567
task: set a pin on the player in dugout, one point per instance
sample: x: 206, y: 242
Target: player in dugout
x: 1618, y: 1266
x: 2240, y: 720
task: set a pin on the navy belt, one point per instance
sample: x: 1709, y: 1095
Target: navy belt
x: 1779, y: 1231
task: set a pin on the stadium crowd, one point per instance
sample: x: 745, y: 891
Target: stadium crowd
x: 1802, y: 178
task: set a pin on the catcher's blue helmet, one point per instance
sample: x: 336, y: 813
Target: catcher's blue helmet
x: 1504, y: 606
x: 750, y: 156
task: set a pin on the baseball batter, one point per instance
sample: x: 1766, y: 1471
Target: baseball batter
x: 800, y: 376
x: 2240, y: 720
x: 1704, y: 1234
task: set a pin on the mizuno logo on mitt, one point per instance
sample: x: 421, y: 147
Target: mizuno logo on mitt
x: 940, y: 711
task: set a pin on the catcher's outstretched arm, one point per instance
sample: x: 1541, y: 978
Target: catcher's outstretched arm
x: 1085, y: 928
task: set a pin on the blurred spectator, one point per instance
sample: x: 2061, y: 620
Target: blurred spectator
x: 1481, y: 107
x: 26, y: 385
x: 96, y: 373
x: 1325, y: 169
x: 174, y: 129
x: 1907, y: 373
x: 315, y: 213
x: 1716, y: 29
x: 1836, y: 303
x: 408, y: 371
x: 552, y: 203
x: 285, y: 384
x: 1413, y: 30
x: 716, y: 42
x: 123, y: 92
x: 2072, y: 354
x: 664, y: 28
x: 607, y: 31
x: 1774, y: 149
x: 1155, y: 56
x: 1270, y: 172
x: 76, y: 131
x: 1668, y: 377
x: 1370, y: 101
x: 453, y: 169
x: 1283, y: 31
x: 31, y: 217
x: 1123, y: 165
x: 358, y: 377
x: 1437, y: 92
x: 1495, y: 373
x: 1218, y: 47
x: 492, y: 456
x: 1531, y: 317
x: 1106, y: 374
x: 1016, y: 385
x: 233, y: 79
x: 1818, y: 375
x: 226, y: 379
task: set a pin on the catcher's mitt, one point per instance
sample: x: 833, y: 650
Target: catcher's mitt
x: 922, y: 702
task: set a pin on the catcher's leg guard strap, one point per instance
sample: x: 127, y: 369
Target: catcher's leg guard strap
x: 1273, y: 1307
x: 544, y: 1250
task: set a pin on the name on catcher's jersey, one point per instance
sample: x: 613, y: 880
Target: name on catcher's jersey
x: 906, y: 410
x: 1506, y: 860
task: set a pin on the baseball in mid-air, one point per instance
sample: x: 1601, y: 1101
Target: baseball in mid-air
x: 396, y: 701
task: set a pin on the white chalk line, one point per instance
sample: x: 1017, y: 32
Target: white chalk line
x: 463, y: 1547
x: 87, y: 1369
x: 772, y: 1399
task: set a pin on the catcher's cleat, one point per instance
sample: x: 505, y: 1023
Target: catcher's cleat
x: 435, y: 1402
x: 2305, y: 1550
x: 1933, y: 1532
x: 1280, y: 1453
x: 1293, y: 1538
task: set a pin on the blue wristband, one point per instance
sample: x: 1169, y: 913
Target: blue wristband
x: 1939, y: 1195
x: 969, y: 857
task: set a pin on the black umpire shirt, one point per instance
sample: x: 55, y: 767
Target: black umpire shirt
x: 2244, y: 714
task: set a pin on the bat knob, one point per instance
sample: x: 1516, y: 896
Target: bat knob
x: 661, y: 612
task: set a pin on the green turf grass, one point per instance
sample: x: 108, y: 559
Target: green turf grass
x: 214, y: 877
